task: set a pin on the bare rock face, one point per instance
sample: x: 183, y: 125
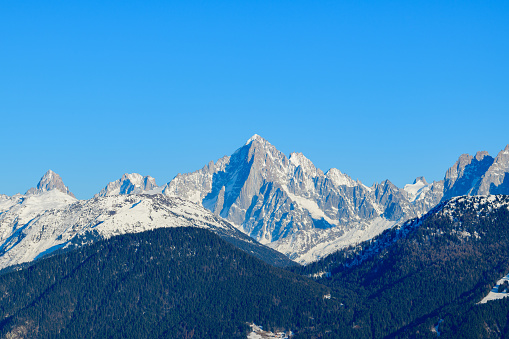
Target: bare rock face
x: 461, y: 178
x: 50, y: 181
x: 194, y: 186
x: 496, y: 179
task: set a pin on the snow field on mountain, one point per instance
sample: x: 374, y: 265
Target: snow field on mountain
x: 325, y: 242
x: 309, y: 205
x: 415, y: 190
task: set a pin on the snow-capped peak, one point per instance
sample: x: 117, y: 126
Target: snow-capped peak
x: 298, y: 159
x: 414, y: 190
x: 50, y: 181
x: 257, y: 138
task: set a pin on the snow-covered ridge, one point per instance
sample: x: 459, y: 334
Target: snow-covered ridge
x: 22, y: 208
x: 306, y: 246
x: 340, y: 179
x: 479, y: 203
x: 31, y: 228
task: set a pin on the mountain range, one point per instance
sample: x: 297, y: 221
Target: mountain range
x: 142, y: 260
x: 285, y: 203
x: 427, y: 277
x: 292, y: 206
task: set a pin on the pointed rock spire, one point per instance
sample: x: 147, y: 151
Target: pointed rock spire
x: 50, y: 181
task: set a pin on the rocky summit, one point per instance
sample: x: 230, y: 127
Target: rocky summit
x: 294, y: 207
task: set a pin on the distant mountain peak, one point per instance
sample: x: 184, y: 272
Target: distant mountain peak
x: 340, y: 179
x: 50, y: 181
x: 130, y: 183
x: 421, y: 179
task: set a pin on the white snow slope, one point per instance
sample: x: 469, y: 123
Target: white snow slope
x: 494, y: 293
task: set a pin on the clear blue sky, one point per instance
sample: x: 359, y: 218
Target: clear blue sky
x: 378, y: 89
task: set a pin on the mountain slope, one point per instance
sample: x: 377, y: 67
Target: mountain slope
x: 179, y: 283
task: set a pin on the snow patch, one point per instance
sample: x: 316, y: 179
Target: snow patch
x: 494, y: 294
x: 255, y: 137
x: 35, y: 227
x: 309, y: 205
x: 257, y: 332
x: 414, y: 190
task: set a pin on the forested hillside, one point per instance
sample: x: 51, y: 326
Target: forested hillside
x: 175, y: 283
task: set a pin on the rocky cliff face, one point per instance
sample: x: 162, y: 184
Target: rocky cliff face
x: 479, y: 175
x: 461, y: 178
x: 496, y: 178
